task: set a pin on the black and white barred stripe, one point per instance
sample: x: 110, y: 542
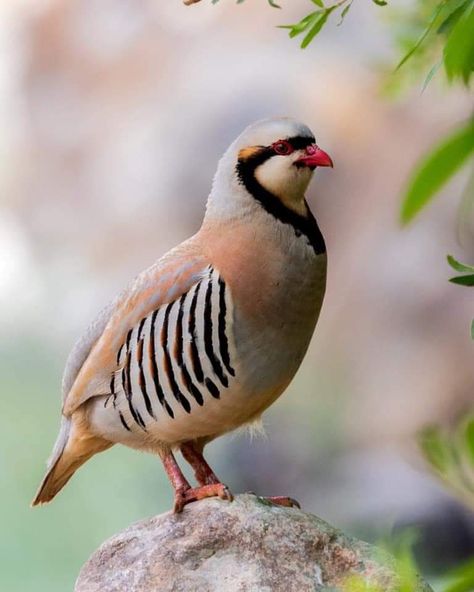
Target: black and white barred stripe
x: 177, y: 356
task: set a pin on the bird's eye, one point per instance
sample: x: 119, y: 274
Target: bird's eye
x: 282, y: 147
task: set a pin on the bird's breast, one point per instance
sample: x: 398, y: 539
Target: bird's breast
x: 277, y: 283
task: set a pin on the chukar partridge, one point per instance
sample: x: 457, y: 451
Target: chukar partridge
x: 208, y: 337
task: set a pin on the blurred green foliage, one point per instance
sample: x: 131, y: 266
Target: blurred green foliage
x: 450, y: 454
x: 465, y: 279
x: 461, y: 579
x: 402, y: 560
x: 398, y: 555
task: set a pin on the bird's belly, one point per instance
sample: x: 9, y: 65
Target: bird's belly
x: 114, y: 419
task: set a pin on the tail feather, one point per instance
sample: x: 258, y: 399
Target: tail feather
x: 69, y: 453
x: 55, y: 479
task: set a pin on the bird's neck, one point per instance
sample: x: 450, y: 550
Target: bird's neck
x: 241, y: 197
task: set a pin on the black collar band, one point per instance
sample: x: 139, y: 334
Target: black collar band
x: 302, y: 225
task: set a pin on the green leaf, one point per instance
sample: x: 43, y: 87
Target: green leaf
x: 459, y: 48
x: 430, y: 75
x: 273, y: 4
x: 344, y: 12
x: 458, y: 266
x: 463, y: 280
x: 380, y: 2
x: 315, y: 28
x: 435, y: 448
x: 472, y: 329
x: 423, y: 36
x: 304, y: 23
x: 436, y: 169
x: 451, y: 13
x: 318, y: 3
x: 469, y: 438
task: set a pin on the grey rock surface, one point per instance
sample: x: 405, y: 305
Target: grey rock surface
x: 249, y: 545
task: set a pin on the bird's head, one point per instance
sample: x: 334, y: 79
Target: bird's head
x: 272, y: 162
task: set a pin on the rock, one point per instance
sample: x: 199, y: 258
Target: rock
x: 249, y: 545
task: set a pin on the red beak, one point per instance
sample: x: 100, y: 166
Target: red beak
x: 315, y: 157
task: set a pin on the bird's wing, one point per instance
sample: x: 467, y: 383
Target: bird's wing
x: 94, y: 357
x: 82, y: 348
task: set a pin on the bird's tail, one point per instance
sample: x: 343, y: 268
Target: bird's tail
x: 69, y: 453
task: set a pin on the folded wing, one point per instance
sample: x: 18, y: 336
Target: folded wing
x: 94, y: 358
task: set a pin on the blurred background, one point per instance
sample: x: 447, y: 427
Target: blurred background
x: 113, y: 115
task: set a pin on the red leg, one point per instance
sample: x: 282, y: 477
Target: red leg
x: 203, y: 472
x: 175, y: 474
x: 184, y: 493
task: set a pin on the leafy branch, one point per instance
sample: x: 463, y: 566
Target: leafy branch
x: 467, y: 271
x: 313, y: 23
x: 465, y: 279
x: 452, y: 21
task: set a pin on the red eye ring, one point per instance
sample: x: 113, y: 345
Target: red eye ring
x: 282, y: 147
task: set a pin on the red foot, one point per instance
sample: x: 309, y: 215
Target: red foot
x: 282, y: 500
x: 193, y: 494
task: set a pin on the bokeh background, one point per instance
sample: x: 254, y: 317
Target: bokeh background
x: 113, y: 114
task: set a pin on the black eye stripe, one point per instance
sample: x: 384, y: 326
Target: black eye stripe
x: 266, y: 152
x: 296, y: 142
x: 299, y: 142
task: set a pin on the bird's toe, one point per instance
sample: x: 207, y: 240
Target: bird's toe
x: 194, y: 494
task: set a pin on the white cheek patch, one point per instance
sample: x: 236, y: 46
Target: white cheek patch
x: 279, y: 176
